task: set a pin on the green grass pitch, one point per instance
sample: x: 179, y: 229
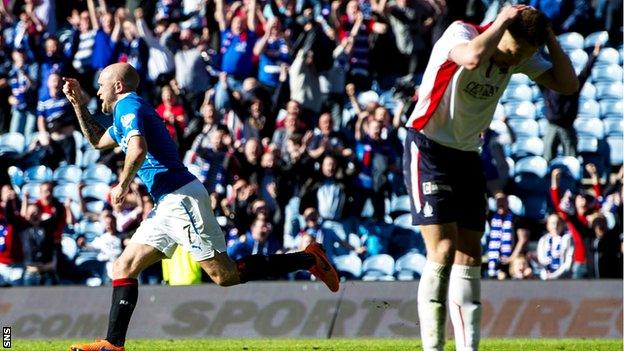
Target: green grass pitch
x: 334, y: 344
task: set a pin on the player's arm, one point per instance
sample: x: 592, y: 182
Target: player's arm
x: 478, y: 50
x: 92, y: 130
x: 135, y: 155
x: 561, y: 77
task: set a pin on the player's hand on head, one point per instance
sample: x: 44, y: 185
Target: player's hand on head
x: 510, y: 13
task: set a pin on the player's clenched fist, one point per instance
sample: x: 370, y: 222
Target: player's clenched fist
x: 74, y: 92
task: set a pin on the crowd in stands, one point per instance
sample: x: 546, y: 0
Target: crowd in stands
x: 292, y: 114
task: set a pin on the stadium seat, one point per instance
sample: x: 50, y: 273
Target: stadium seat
x: 610, y: 73
x: 519, y: 79
x: 612, y: 90
x: 404, y: 221
x: 591, y: 39
x: 511, y: 164
x: 33, y: 191
x: 611, y: 108
x: 578, y: 58
x: 69, y: 247
x: 613, y: 126
x: 67, y: 174
x: 591, y: 127
x: 95, y: 206
x: 588, y: 109
x: 616, y: 150
x: 524, y: 109
x: 97, y: 191
x: 588, y: 92
x: 515, y: 205
x: 587, y: 144
x: 66, y: 191
x: 13, y: 141
x: 91, y: 227
x: 499, y: 127
x: 410, y: 266
x: 543, y: 126
x: 90, y: 157
x: 348, y: 266
x: 527, y: 147
x: 16, y: 177
x: 540, y: 109
x: 571, y: 41
x: 524, y: 128
x: 569, y: 163
x: 536, y: 94
x: 517, y: 93
x: 97, y: 174
x: 608, y: 56
x: 534, y: 164
x: 400, y: 204
x: 38, y: 174
x: 378, y: 267
x: 402, y: 134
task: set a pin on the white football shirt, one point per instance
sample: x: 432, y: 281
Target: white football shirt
x: 455, y: 104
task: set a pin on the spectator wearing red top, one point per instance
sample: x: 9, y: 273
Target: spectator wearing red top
x: 51, y: 207
x: 576, y: 219
x: 11, y: 251
x: 172, y: 112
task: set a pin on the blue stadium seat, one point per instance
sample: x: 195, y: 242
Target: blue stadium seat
x: 588, y: 92
x: 587, y: 144
x: 91, y: 226
x: 524, y: 109
x: 33, y: 191
x: 540, y: 109
x: 571, y: 41
x: 95, y: 206
x: 612, y: 90
x: 97, y: 174
x: 588, y: 109
x: 400, y: 204
x: 410, y: 266
x: 610, y: 108
x: 378, y: 267
x: 591, y: 39
x: 578, y: 58
x: 348, y: 266
x: 536, y: 94
x: 524, y: 128
x: 404, y: 221
x: 67, y: 174
x: 527, y: 147
x: 543, y: 125
x: 515, y: 205
x: 90, y: 157
x: 66, y: 191
x: 517, y: 93
x: 97, y: 191
x: 16, y: 177
x: 616, y: 150
x: 591, y: 127
x: 534, y: 165
x: 614, y: 126
x: 519, y: 79
x: 499, y: 127
x: 610, y: 73
x: 69, y: 247
x: 13, y: 141
x: 608, y: 56
x: 38, y: 174
x: 568, y: 163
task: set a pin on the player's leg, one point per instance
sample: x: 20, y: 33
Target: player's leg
x: 434, y: 283
x: 134, y: 259
x: 465, y: 290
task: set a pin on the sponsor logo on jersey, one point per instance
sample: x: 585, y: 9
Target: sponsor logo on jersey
x: 127, y: 119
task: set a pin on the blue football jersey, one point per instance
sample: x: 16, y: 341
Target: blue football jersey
x: 162, y: 171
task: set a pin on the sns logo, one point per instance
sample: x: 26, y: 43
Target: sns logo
x: 6, y: 337
x: 127, y: 119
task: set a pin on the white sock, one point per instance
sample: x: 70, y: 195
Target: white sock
x: 465, y: 306
x: 432, y: 292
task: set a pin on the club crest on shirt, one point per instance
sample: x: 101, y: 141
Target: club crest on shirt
x: 127, y: 119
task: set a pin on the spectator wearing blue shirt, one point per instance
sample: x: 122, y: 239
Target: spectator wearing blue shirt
x: 131, y: 48
x: 51, y: 60
x: 565, y: 15
x: 272, y: 50
x: 23, y: 82
x: 103, y: 46
x: 55, y: 121
x: 257, y: 241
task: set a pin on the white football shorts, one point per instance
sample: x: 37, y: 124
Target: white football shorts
x: 183, y: 217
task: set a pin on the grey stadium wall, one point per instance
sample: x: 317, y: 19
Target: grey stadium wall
x: 290, y: 310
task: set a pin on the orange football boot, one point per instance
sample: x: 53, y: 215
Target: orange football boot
x: 99, y: 345
x: 322, y: 269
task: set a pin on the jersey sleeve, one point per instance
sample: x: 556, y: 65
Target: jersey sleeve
x: 534, y: 66
x: 111, y: 132
x: 457, y: 33
x: 130, y: 120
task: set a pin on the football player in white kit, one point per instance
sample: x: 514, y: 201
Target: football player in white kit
x: 469, y: 68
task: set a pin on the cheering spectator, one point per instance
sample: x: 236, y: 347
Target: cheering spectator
x: 257, y: 240
x: 500, y: 239
x: 327, y: 141
x: 160, y: 65
x: 11, y: 251
x: 238, y: 37
x: 272, y: 49
x: 555, y: 250
x: 23, y: 79
x: 520, y: 269
x: 172, y: 113
x: 51, y: 60
x: 328, y: 194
